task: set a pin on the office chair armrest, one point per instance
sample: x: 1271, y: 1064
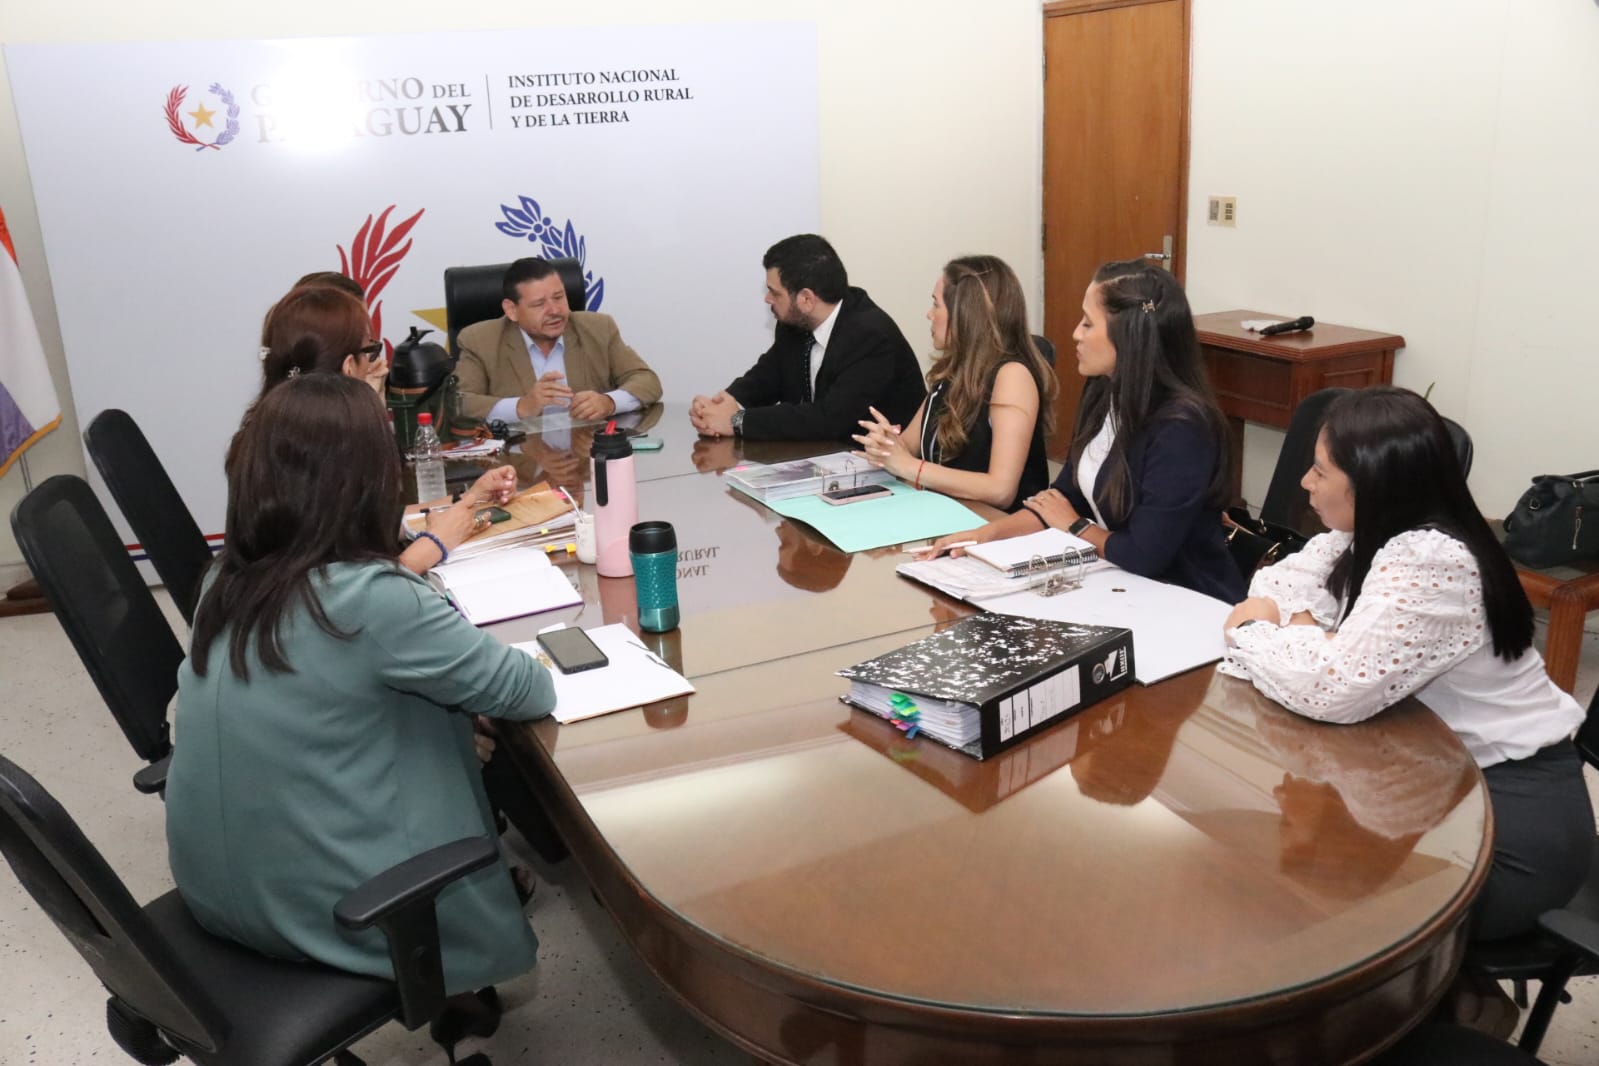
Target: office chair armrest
x: 1579, y: 932
x: 399, y: 901
x: 152, y: 780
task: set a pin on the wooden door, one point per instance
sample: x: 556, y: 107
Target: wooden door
x: 1115, y: 155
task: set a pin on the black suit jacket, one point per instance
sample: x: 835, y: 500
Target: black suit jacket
x: 1173, y: 532
x: 868, y: 363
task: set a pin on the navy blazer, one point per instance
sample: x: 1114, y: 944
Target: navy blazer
x: 1172, y: 532
x: 868, y: 363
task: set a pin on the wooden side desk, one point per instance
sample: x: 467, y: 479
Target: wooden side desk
x: 1262, y: 379
x: 1569, y: 592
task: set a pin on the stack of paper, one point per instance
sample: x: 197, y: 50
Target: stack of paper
x: 967, y: 578
x: 505, y: 584
x: 474, y: 448
x: 633, y: 677
x: 805, y: 477
x: 538, y: 515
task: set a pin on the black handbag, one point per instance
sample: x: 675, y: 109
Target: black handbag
x: 1255, y: 543
x: 1556, y: 522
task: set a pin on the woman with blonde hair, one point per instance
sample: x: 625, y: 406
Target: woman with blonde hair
x: 980, y: 432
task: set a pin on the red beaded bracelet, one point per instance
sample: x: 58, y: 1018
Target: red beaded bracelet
x: 919, y: 466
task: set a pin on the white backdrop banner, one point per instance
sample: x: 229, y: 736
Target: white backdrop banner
x: 182, y: 187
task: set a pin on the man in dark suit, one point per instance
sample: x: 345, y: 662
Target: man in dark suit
x: 834, y: 355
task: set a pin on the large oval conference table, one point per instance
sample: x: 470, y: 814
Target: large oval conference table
x: 1185, y: 873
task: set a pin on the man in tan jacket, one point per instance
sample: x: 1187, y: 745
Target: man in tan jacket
x: 542, y: 355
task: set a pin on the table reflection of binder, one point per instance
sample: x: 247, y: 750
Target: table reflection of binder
x: 975, y: 785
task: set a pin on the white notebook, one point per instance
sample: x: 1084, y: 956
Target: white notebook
x: 505, y: 584
x: 1051, y: 545
x: 633, y: 677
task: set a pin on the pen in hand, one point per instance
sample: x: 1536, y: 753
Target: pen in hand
x: 938, y: 550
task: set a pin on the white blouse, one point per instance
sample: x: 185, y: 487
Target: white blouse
x: 1418, y: 627
x: 1095, y: 452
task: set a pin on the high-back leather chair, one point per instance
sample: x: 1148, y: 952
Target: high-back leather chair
x: 151, y: 504
x: 178, y: 990
x: 474, y: 293
x: 1046, y: 348
x: 107, y: 610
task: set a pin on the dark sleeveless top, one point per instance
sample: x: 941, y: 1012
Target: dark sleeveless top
x: 980, y: 440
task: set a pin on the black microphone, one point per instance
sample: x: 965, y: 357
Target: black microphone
x: 1288, y: 327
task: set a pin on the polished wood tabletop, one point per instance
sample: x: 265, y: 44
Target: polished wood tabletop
x: 1184, y: 873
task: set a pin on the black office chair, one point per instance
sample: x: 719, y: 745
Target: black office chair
x: 1286, y: 503
x: 151, y: 504
x: 1441, y: 1044
x: 1566, y: 944
x: 474, y: 293
x: 108, y: 611
x: 178, y: 990
x: 1462, y: 442
x: 1046, y: 348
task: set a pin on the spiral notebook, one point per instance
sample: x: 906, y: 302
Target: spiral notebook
x: 1052, y: 546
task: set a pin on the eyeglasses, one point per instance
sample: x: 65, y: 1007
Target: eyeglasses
x: 371, y: 351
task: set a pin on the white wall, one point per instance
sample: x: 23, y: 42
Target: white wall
x: 1427, y: 167
x: 930, y: 110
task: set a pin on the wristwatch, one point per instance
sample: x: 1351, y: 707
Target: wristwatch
x: 1078, y: 526
x: 738, y: 422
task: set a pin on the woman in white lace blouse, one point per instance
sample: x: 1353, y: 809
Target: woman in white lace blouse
x: 1410, y: 594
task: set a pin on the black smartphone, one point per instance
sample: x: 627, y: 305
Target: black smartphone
x: 856, y: 494
x: 572, y: 650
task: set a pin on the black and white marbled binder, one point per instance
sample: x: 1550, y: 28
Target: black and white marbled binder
x: 1003, y: 676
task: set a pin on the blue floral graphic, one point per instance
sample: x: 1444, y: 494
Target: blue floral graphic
x: 555, y: 241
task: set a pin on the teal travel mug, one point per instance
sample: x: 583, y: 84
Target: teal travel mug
x: 653, y: 548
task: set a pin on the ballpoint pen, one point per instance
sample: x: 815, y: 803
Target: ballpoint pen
x: 942, y: 550
x: 656, y: 659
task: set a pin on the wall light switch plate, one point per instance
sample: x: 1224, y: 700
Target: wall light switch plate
x: 1223, y: 211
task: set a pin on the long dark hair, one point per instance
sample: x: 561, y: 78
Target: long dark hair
x: 313, y: 479
x: 1158, y: 375
x: 987, y: 326
x: 1405, y: 475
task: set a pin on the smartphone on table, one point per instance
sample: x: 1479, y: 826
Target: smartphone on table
x: 838, y: 497
x: 572, y: 650
x: 494, y: 514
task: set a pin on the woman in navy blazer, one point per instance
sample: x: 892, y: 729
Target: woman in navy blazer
x: 1149, y: 440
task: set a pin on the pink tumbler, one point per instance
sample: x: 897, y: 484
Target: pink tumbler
x: 615, y: 501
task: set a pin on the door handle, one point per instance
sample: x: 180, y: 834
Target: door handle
x: 1164, y: 257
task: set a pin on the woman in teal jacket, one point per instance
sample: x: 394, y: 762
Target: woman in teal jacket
x: 323, y: 716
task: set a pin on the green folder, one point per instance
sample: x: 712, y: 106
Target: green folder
x: 907, y: 515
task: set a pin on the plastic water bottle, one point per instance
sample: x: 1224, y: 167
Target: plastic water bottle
x: 428, y: 455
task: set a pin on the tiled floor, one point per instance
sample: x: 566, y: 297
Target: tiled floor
x: 589, y: 1002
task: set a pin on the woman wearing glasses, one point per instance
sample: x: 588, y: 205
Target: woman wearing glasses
x: 321, y: 329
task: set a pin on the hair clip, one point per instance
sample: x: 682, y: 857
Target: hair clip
x: 294, y: 371
x: 1149, y: 305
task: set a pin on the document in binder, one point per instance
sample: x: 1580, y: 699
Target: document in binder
x: 991, y: 680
